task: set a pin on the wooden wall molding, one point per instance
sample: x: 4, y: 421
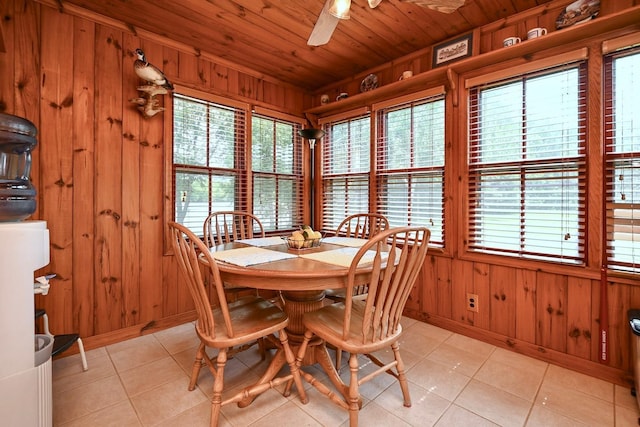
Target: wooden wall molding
x: 597, y: 370
x: 98, y: 341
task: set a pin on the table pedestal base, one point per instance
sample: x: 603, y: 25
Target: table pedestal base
x: 296, y: 304
x: 316, y: 350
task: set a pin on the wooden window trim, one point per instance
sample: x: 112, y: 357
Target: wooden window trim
x: 476, y: 253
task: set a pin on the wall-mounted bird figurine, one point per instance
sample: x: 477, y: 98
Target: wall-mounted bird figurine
x: 149, y: 72
x: 157, y: 84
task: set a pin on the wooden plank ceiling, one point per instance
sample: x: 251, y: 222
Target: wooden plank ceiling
x: 270, y: 36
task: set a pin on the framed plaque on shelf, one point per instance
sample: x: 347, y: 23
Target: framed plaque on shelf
x: 452, y: 50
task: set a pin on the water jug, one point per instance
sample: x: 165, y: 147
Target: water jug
x: 17, y: 194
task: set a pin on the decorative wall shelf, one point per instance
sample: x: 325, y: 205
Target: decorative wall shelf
x: 413, y: 84
x: 147, y: 102
x: 615, y: 21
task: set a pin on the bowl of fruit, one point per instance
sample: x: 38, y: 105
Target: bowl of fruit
x: 304, y: 238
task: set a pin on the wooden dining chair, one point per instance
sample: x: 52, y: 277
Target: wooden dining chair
x: 228, y: 226
x: 361, y: 226
x: 222, y: 227
x: 229, y: 325
x: 364, y: 326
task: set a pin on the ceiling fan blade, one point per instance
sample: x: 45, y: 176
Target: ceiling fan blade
x: 325, y: 25
x: 444, y: 6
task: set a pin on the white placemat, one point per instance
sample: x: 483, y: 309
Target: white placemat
x: 345, y: 241
x: 341, y: 257
x: 250, y: 255
x: 263, y: 241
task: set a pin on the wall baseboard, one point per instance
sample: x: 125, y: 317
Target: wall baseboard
x: 123, y: 334
x: 587, y: 367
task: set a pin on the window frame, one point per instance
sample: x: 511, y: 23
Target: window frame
x: 612, y: 161
x: 239, y: 169
x: 244, y: 181
x: 376, y: 186
x: 359, y: 178
x: 547, y: 65
x: 298, y: 165
x: 383, y: 174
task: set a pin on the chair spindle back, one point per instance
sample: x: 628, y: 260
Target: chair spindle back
x: 362, y: 225
x: 227, y: 226
x: 399, y: 256
x: 188, y: 249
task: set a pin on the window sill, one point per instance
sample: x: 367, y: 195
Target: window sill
x: 573, y: 270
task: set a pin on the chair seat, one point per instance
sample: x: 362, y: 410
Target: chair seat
x: 340, y: 295
x: 63, y: 342
x: 328, y: 324
x: 335, y: 294
x: 252, y: 317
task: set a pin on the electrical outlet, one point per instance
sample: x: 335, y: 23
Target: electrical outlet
x: 472, y: 302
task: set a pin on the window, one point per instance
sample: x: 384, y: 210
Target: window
x: 345, y: 169
x: 410, y: 165
x: 211, y: 163
x: 527, y: 165
x: 208, y: 159
x: 622, y: 160
x: 276, y: 152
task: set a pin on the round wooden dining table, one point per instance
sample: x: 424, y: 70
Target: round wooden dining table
x: 301, y: 282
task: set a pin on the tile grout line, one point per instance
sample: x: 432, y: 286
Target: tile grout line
x: 614, y: 403
x: 535, y: 397
x: 133, y: 407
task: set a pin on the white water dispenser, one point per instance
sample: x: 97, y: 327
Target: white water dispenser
x: 25, y: 383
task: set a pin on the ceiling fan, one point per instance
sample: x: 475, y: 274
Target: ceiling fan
x: 335, y: 10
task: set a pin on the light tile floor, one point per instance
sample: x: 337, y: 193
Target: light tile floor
x: 454, y: 381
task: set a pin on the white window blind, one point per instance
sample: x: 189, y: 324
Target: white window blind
x: 208, y: 159
x: 622, y: 160
x: 345, y: 169
x: 410, y: 165
x: 527, y: 165
x: 276, y: 153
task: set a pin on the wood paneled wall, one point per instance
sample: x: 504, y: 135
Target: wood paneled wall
x: 550, y: 316
x: 100, y: 169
